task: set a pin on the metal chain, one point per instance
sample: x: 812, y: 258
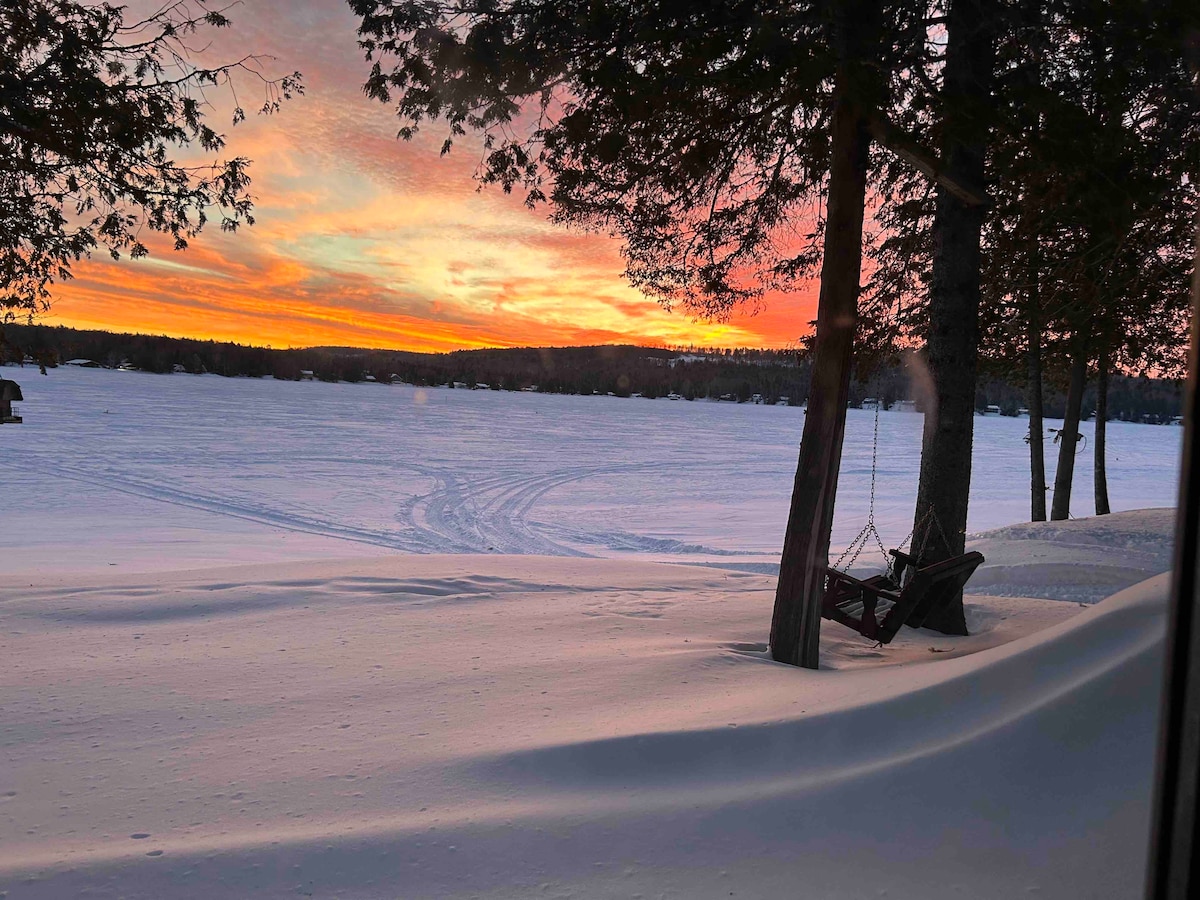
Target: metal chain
x: 871, y: 504
x: 874, y: 466
x: 926, y: 532
x: 856, y: 546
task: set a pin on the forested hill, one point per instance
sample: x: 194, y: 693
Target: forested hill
x: 775, y: 376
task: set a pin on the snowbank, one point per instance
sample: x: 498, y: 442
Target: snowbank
x: 504, y: 726
x: 1079, y: 559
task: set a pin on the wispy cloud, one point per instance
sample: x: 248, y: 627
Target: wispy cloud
x: 363, y: 239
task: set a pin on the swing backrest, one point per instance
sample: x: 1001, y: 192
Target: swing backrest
x: 929, y: 589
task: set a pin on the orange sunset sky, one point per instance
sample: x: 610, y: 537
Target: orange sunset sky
x: 365, y: 240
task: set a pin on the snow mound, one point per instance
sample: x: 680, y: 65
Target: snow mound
x: 1079, y: 559
x: 499, y: 726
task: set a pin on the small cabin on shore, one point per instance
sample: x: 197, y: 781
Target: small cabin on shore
x: 10, y: 393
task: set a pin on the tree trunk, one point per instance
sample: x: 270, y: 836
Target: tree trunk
x: 1101, y: 473
x: 796, y: 622
x: 1037, y: 444
x: 1068, y: 438
x: 1031, y: 15
x: 953, y: 341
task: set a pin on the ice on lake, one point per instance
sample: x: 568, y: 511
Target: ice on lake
x: 149, y: 472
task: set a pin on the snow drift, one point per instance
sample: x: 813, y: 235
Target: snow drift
x: 425, y: 726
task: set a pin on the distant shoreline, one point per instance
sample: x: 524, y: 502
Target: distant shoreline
x: 769, y: 377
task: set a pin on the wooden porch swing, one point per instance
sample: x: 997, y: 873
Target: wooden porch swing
x: 908, y: 592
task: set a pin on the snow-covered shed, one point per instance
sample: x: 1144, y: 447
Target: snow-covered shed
x: 10, y: 393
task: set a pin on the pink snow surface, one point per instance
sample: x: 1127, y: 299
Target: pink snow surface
x: 519, y: 726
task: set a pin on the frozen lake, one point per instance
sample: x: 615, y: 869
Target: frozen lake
x: 150, y: 472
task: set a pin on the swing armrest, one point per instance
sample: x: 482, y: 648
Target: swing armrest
x: 903, y: 562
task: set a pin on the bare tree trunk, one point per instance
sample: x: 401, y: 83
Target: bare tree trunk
x: 1068, y: 438
x: 796, y: 621
x: 953, y: 341
x: 1037, y: 444
x: 1101, y: 473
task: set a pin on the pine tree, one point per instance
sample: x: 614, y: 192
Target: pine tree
x: 1085, y: 254
x: 705, y: 137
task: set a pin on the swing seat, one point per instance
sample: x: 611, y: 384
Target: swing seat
x: 876, y: 607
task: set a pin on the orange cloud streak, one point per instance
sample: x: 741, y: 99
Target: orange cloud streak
x: 364, y: 240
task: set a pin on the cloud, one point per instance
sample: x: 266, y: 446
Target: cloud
x: 364, y: 239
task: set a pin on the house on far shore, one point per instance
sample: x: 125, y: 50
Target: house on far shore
x: 83, y: 363
x: 10, y: 393
x: 307, y: 375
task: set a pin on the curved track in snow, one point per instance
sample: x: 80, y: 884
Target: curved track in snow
x: 461, y: 514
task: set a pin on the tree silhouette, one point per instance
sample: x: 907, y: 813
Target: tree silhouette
x: 728, y: 145
x: 1086, y: 251
x: 93, y: 109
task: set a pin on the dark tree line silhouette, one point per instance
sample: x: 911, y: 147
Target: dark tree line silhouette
x: 776, y: 376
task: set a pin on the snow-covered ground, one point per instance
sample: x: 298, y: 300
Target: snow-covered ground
x: 515, y: 726
x: 224, y: 671
x: 149, y: 472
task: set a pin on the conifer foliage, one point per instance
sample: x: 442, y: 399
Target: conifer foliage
x: 727, y: 145
x: 95, y: 108
x: 1093, y: 150
x: 694, y: 131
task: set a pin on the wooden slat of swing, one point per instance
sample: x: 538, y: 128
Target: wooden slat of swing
x: 852, y: 611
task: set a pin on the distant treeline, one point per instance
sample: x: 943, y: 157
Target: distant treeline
x: 743, y: 375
